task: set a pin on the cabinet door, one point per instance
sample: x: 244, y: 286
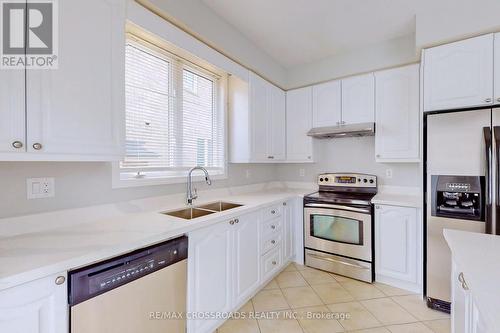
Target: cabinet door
x: 277, y: 131
x: 460, y: 303
x: 459, y: 75
x: 288, y: 230
x: 12, y: 111
x: 209, y: 274
x: 246, y: 257
x: 358, y: 99
x: 327, y: 104
x: 497, y: 69
x: 299, y: 146
x: 396, y: 244
x: 78, y: 109
x: 397, y: 115
x: 39, y: 306
x: 259, y: 108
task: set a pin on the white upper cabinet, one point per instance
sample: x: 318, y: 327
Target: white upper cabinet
x: 299, y: 146
x: 459, y: 75
x: 277, y: 130
x: 326, y: 104
x: 40, y: 306
x: 12, y: 111
x: 497, y: 69
x: 78, y: 109
x: 257, y: 121
x: 397, y: 115
x: 358, y: 99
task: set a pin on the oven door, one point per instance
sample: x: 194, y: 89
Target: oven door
x: 337, y: 229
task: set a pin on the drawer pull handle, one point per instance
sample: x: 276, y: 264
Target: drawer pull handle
x: 487, y: 100
x: 336, y: 261
x: 273, y: 242
x: 17, y: 144
x: 37, y: 146
x: 60, y: 280
x: 273, y: 227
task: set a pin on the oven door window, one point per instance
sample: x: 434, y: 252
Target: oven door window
x: 337, y: 229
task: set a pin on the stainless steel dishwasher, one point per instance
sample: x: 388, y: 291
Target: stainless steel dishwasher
x: 143, y: 291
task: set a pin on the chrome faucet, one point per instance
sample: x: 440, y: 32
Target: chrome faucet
x: 190, y: 196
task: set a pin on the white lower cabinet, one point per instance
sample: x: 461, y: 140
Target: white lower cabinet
x: 230, y: 261
x: 465, y: 315
x: 398, y: 251
x: 40, y: 306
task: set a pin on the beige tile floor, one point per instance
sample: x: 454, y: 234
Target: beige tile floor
x: 305, y: 300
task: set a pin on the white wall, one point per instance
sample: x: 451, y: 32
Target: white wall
x: 392, y: 53
x: 350, y: 155
x: 89, y: 183
x: 199, y: 19
x: 453, y: 20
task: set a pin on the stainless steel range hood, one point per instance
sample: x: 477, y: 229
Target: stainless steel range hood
x: 343, y: 131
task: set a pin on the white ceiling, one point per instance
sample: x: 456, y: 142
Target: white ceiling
x: 296, y: 32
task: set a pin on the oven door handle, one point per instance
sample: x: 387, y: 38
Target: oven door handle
x: 348, y: 208
x: 336, y: 261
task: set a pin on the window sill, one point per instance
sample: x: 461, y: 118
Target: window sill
x: 117, y: 182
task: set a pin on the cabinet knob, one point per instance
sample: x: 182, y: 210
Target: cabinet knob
x: 378, y: 155
x: 236, y: 220
x: 60, y: 280
x: 17, y: 144
x: 308, y: 157
x: 342, y: 122
x: 231, y: 222
x: 487, y: 100
x: 274, y: 262
x: 273, y: 212
x: 270, y: 157
x: 273, y: 242
x: 461, y: 279
x: 498, y: 99
x: 284, y: 203
x: 377, y: 207
x: 37, y: 146
x: 273, y: 227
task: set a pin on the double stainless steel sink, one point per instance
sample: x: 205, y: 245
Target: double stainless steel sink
x: 202, y: 210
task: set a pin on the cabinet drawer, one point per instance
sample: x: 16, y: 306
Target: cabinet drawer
x: 271, y: 212
x: 270, y: 242
x: 270, y: 227
x: 271, y: 263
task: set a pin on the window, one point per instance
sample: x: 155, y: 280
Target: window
x: 174, y: 119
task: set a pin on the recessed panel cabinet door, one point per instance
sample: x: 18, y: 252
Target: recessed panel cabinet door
x: 397, y: 114
x: 210, y: 274
x: 277, y: 135
x: 358, y: 99
x: 299, y: 146
x: 259, y: 108
x: 497, y: 69
x: 78, y: 108
x: 246, y: 256
x: 327, y: 104
x: 459, y: 75
x: 12, y: 111
x: 40, y: 306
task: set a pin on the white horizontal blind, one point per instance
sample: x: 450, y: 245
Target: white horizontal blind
x: 173, y: 121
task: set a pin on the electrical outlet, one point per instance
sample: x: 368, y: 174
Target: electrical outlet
x: 388, y: 173
x: 302, y: 172
x: 37, y: 188
x: 248, y: 174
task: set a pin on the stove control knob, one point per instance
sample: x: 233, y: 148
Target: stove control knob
x: 321, y: 179
x: 365, y: 180
x: 326, y: 179
x: 371, y: 181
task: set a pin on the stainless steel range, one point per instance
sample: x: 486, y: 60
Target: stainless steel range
x: 338, y: 221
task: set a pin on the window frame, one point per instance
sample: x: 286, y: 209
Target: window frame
x: 189, y: 62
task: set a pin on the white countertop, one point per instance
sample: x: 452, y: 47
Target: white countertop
x: 398, y: 196
x: 39, y: 245
x: 477, y: 256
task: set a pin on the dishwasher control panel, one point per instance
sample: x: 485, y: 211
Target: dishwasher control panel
x: 96, y: 279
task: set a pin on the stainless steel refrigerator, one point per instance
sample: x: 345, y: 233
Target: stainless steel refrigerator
x: 461, y: 190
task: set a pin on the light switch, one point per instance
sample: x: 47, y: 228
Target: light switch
x: 40, y: 188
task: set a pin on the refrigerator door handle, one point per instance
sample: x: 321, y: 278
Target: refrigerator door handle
x: 489, y: 185
x: 496, y: 135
